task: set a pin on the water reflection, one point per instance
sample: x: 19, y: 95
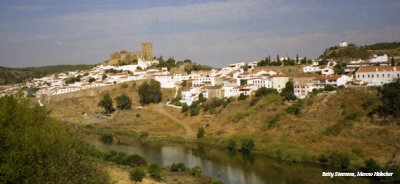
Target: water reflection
x: 231, y: 167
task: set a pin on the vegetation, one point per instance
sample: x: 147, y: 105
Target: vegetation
x: 18, y: 75
x: 390, y: 99
x: 122, y: 158
x: 178, y: 167
x: 106, y: 138
x: 35, y: 148
x: 350, y: 52
x: 242, y: 96
x: 383, y: 46
x: 288, y: 92
x: 150, y: 92
x: 247, y: 145
x: 200, y: 133
x: 72, y: 80
x: 195, y: 171
x: 106, y: 103
x: 123, y: 102
x: 263, y: 91
x: 155, y: 171
x: 137, y: 174
x: 231, y: 144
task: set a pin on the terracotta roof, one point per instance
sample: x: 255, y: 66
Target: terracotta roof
x: 305, y: 75
x: 378, y: 68
x: 327, y: 77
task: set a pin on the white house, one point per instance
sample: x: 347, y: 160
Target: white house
x: 379, y: 59
x: 279, y: 82
x: 343, y: 44
x: 378, y: 75
x: 327, y: 71
x: 190, y: 96
x: 310, y: 69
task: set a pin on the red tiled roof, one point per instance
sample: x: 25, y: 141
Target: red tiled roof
x: 378, y: 68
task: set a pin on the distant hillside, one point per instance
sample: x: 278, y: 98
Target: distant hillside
x: 17, y: 75
x: 353, y: 51
x: 346, y: 53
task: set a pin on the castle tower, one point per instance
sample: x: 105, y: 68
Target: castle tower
x: 147, y: 50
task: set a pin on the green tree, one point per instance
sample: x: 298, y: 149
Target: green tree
x: 247, y: 145
x: 201, y: 98
x: 390, y: 99
x: 155, y: 171
x: 288, y: 91
x: 371, y: 165
x: 35, y: 148
x: 242, y: 96
x: 104, y: 77
x: 150, y: 92
x: 200, y: 133
x: 106, y: 103
x: 137, y: 174
x: 123, y: 102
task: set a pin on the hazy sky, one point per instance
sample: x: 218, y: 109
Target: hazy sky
x: 49, y: 32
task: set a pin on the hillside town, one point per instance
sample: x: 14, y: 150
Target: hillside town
x: 231, y: 81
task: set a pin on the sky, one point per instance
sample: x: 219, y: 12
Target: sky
x: 215, y: 33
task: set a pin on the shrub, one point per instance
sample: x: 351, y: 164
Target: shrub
x: 340, y: 160
x: 242, y: 97
x: 200, y: 133
x: 194, y: 109
x: 247, y: 145
x: 185, y: 107
x: 106, y: 138
x: 294, y: 109
x: 155, y: 171
x: 395, y: 169
x: 123, y: 102
x: 288, y: 92
x: 273, y: 121
x: 91, y: 79
x: 371, y: 165
x: 323, y: 158
x: 195, y: 171
x: 231, y: 144
x: 254, y: 101
x: 137, y: 174
x: 329, y: 88
x: 124, y: 85
x: 240, y: 115
x: 125, y: 159
x: 263, y: 91
x: 216, y: 181
x: 178, y: 167
x: 351, y: 117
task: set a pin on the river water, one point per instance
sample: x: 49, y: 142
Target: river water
x: 230, y: 166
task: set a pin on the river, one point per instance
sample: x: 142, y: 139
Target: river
x: 230, y: 166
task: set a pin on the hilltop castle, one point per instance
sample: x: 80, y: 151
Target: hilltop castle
x: 145, y: 54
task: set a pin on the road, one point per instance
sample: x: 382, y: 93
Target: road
x: 189, y: 133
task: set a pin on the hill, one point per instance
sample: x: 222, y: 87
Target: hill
x: 353, y: 52
x: 18, y: 75
x: 326, y: 124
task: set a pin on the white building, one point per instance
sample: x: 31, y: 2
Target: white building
x: 343, y: 44
x: 379, y: 59
x: 311, y: 69
x: 378, y: 75
x: 279, y: 82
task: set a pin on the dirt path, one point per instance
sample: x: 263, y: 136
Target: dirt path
x: 189, y: 133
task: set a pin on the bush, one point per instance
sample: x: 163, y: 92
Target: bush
x: 231, y: 144
x: 323, y: 158
x: 351, y: 117
x: 371, y: 165
x: 329, y: 88
x: 216, y: 181
x: 242, y: 97
x: 123, y: 102
x: 91, y: 79
x: 263, y: 91
x: 125, y: 159
x: 273, y: 121
x: 185, y: 107
x: 340, y: 160
x: 194, y: 109
x: 195, y: 171
x: 106, y: 138
x: 294, y: 109
x: 178, y: 167
x: 200, y: 133
x: 247, y: 145
x: 390, y: 99
x: 155, y: 171
x: 124, y: 85
x: 254, y: 101
x: 137, y: 174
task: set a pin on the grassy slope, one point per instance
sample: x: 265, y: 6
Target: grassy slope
x: 297, y: 138
x: 17, y: 75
